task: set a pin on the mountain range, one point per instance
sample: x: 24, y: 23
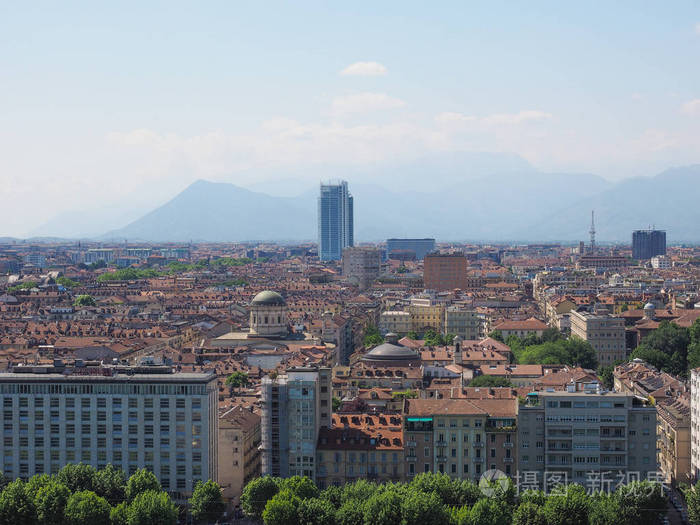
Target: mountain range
x: 449, y: 197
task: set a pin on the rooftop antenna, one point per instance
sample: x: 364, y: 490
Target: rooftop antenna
x: 592, y: 232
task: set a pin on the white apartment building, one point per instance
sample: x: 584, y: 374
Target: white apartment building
x: 579, y: 433
x: 661, y: 262
x: 132, y: 417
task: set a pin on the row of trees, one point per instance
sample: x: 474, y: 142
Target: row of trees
x: 81, y: 495
x: 671, y: 348
x: 436, y: 499
x: 552, y: 348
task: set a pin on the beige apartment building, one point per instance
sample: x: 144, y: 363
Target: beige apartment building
x: 426, y: 317
x: 604, y: 332
x: 395, y: 321
x: 445, y: 435
x: 673, y: 439
x: 239, y: 452
x: 465, y: 323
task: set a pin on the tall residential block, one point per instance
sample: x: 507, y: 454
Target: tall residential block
x: 445, y: 271
x: 362, y: 265
x: 648, y: 243
x: 695, y: 423
x: 586, y: 437
x: 605, y: 333
x: 335, y: 221
x: 132, y: 417
x: 296, y: 405
x: 409, y: 248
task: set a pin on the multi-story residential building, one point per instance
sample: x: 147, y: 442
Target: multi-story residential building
x: 443, y: 271
x: 648, y: 243
x: 673, y: 438
x: 362, y: 265
x: 296, y: 405
x: 239, y: 451
x: 368, y: 446
x: 445, y: 435
x: 426, y: 317
x: 465, y: 323
x: 661, y: 262
x: 695, y: 423
x: 522, y: 328
x: 605, y: 333
x: 578, y: 435
x: 501, y: 434
x: 132, y: 417
x: 335, y: 221
x: 395, y: 321
x: 417, y: 248
x: 338, y: 329
x: 94, y: 255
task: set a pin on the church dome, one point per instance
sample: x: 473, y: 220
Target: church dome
x: 389, y: 353
x: 268, y: 298
x: 649, y: 306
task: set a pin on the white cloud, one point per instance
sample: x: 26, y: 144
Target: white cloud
x: 697, y: 28
x: 365, y: 69
x: 692, y: 107
x: 364, y: 103
x: 494, y: 119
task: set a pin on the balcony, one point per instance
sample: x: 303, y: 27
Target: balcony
x: 478, y: 444
x: 441, y: 443
x: 441, y: 459
x: 478, y: 460
x: 507, y: 460
x: 411, y: 458
x: 508, y: 445
x: 410, y: 443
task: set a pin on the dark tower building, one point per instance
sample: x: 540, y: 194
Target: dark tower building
x: 648, y: 243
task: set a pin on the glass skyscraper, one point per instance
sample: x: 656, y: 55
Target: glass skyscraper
x: 335, y: 220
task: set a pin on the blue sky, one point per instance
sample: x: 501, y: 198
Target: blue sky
x: 123, y: 104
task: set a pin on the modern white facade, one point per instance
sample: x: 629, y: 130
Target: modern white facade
x: 131, y: 417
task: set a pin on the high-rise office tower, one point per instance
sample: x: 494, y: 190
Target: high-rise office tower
x: 335, y: 220
x: 648, y: 243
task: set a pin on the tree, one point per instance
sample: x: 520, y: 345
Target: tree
x: 569, y: 507
x: 671, y: 340
x: 605, y: 374
x: 238, y: 379
x: 372, y: 337
x: 640, y: 502
x: 497, y: 335
x: 84, y: 300
x: 110, y: 483
x: 50, y: 502
x: 432, y: 338
x: 120, y: 514
x: 300, y: 486
x: 87, y: 507
x: 316, y: 511
x: 282, y: 509
x: 528, y: 513
x: 383, y: 508
x: 692, y: 500
x: 490, y: 381
x: 412, y: 335
x: 35, y: 483
x: 77, y: 477
x: 420, y: 508
x: 16, y: 507
x: 141, y: 481
x: 256, y: 494
x: 490, y: 512
x: 351, y: 512
x: 604, y: 510
x: 655, y: 358
x: 152, y: 508
x: 206, y: 503
x: 336, y: 404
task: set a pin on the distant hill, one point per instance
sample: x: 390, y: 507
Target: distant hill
x: 517, y: 205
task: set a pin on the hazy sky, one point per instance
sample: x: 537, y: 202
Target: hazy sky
x: 123, y: 104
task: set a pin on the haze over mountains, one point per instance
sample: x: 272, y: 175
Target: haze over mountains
x: 472, y: 197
